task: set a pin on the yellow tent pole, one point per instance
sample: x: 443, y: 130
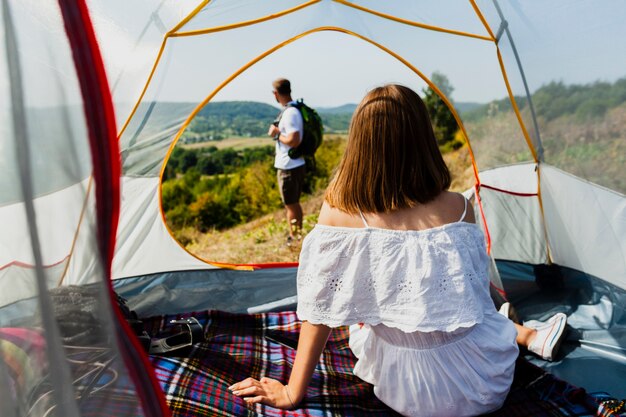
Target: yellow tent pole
x: 508, y: 85
x: 518, y: 114
x: 190, y: 16
x: 524, y: 131
x: 245, y: 23
x: 545, y: 229
x: 413, y: 23
x: 482, y: 19
x: 145, y: 88
x: 264, y: 55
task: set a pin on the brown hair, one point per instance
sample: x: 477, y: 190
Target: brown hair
x: 392, y: 160
x: 282, y: 86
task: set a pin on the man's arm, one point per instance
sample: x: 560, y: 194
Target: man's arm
x: 291, y: 139
x: 292, y: 124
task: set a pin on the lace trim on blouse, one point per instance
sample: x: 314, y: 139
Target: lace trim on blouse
x: 427, y: 280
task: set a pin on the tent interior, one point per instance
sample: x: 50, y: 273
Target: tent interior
x: 96, y: 95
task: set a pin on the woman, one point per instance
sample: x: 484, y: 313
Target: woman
x: 399, y: 259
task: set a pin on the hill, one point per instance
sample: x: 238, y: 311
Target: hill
x: 464, y: 107
x: 343, y: 109
x: 249, y: 119
x: 227, y: 119
x: 556, y: 99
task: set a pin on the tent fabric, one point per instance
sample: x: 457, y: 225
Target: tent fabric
x: 558, y: 44
x: 593, y: 354
x: 59, y: 222
x: 148, y: 136
x: 511, y: 207
x: 222, y: 289
x: 586, y: 225
x: 144, y: 245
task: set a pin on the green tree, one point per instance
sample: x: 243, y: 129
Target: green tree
x: 444, y: 123
x: 188, y: 160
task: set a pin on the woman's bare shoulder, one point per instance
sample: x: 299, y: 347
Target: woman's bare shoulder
x: 332, y: 216
x: 456, y: 201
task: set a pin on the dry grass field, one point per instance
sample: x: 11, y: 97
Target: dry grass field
x: 236, y: 143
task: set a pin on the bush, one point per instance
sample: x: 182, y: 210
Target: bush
x: 248, y: 191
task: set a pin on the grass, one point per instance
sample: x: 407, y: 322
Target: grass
x: 259, y: 241
x: 236, y: 143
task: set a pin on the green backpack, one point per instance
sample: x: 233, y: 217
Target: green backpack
x: 313, y: 131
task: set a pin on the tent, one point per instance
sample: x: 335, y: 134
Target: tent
x: 87, y: 127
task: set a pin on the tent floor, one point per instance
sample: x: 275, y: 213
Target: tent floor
x: 593, y: 355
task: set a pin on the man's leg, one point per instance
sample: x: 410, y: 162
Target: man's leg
x: 290, y: 184
x: 294, y: 218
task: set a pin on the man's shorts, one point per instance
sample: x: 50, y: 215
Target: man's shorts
x: 290, y: 183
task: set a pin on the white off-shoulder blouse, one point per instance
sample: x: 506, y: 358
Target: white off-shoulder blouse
x: 423, y: 325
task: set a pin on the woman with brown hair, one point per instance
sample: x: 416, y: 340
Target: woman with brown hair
x: 399, y: 258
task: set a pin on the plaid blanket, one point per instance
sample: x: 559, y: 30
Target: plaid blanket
x: 195, y: 381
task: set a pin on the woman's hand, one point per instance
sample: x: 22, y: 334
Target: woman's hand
x: 273, y: 393
x: 266, y: 391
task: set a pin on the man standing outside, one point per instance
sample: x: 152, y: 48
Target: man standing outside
x: 288, y: 133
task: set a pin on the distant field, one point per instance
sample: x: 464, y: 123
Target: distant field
x: 235, y: 143
x: 241, y: 143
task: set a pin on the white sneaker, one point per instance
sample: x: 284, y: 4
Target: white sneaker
x: 505, y: 309
x: 549, y: 336
x: 508, y: 311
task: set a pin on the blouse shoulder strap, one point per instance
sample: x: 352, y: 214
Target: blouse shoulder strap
x: 363, y: 218
x: 464, y: 209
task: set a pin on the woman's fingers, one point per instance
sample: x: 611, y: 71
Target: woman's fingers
x: 258, y: 399
x: 247, y: 392
x: 266, y: 390
x: 248, y: 382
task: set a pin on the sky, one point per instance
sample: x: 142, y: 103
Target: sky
x: 563, y: 40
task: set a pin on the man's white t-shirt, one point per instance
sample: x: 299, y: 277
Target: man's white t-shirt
x: 290, y: 121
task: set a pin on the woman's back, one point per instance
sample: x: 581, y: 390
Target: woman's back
x: 397, y: 277
x: 446, y: 208
x: 428, y: 336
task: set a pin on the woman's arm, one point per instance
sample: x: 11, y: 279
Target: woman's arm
x: 269, y: 391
